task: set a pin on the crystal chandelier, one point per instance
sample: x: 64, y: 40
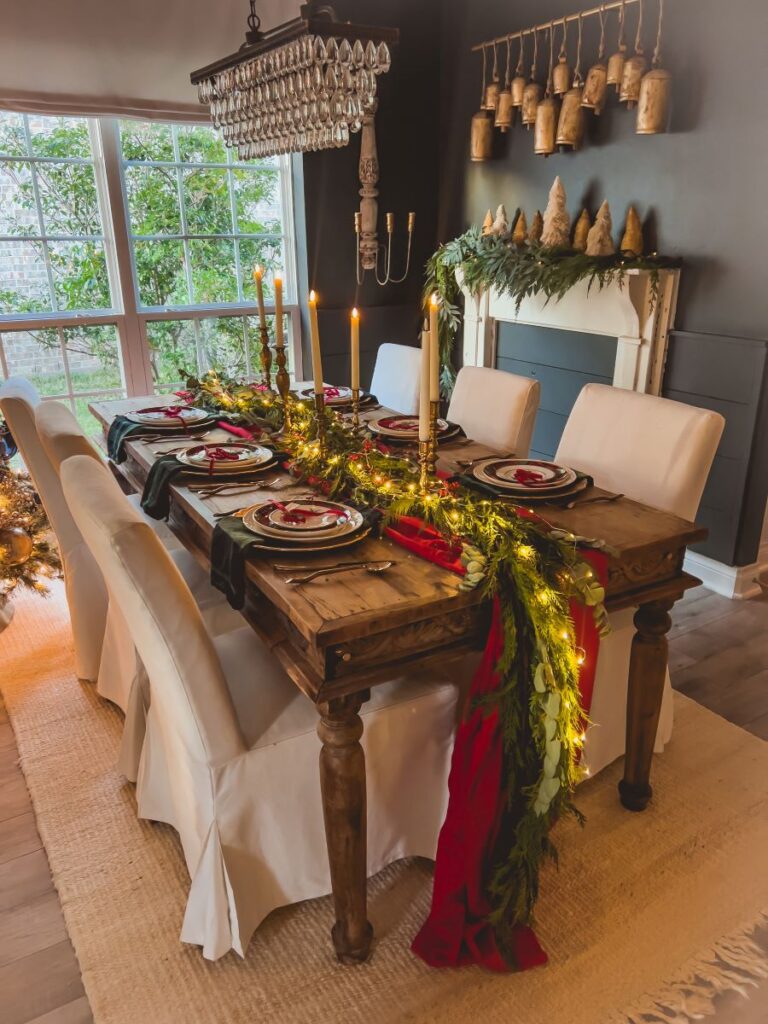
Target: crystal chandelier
x: 304, y: 86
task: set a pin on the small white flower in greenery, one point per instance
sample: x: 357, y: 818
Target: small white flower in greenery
x: 475, y: 563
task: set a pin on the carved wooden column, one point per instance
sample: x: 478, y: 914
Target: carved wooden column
x: 369, y: 179
x: 647, y: 675
x: 342, y: 782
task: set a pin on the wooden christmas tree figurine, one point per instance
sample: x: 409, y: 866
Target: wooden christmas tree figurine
x: 599, y: 241
x: 488, y: 223
x: 580, y: 232
x: 500, y: 225
x: 557, y: 224
x: 632, y: 239
x: 520, y: 233
x: 537, y: 226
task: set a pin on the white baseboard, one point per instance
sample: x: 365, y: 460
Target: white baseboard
x: 734, y: 581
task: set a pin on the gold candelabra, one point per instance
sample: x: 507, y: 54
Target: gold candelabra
x: 424, y: 447
x: 320, y: 414
x: 266, y: 358
x: 356, y: 408
x: 434, y: 410
x: 283, y: 382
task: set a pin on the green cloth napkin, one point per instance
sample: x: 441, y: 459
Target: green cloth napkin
x: 156, y: 498
x: 232, y: 544
x: 120, y: 429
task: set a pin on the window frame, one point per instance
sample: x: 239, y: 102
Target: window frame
x: 129, y: 317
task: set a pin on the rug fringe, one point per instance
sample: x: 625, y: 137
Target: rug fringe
x: 732, y: 965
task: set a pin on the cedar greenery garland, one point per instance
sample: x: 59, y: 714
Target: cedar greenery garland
x: 488, y: 261
x: 534, y: 569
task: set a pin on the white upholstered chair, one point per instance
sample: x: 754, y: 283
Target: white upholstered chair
x: 231, y: 752
x: 396, y: 377
x: 496, y: 408
x: 61, y: 437
x: 657, y: 452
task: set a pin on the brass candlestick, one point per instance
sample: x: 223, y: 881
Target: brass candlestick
x: 266, y: 359
x: 356, y: 408
x: 283, y: 382
x: 434, y: 411
x: 320, y: 414
x: 424, y: 466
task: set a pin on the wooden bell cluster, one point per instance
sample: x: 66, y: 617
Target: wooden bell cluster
x: 554, y: 231
x: 557, y: 110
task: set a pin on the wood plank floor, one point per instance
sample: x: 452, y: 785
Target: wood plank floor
x: 718, y: 657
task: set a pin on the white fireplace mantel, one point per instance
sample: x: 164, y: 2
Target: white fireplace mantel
x: 624, y: 310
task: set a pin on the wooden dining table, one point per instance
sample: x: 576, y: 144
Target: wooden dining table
x: 341, y: 636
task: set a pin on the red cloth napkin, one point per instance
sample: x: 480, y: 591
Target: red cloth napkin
x: 457, y: 932
x: 247, y: 433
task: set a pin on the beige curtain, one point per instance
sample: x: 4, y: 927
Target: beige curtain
x: 129, y: 59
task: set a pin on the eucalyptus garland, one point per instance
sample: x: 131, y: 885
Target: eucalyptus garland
x: 489, y: 261
x: 534, y: 569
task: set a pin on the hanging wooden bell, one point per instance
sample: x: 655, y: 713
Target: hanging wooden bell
x: 481, y: 146
x: 635, y: 67
x: 492, y: 90
x: 531, y: 99
x: 505, y: 111
x: 596, y: 84
x: 562, y: 74
x: 655, y: 92
x: 615, y: 70
x: 570, y: 124
x: 545, y: 132
x: 517, y: 86
x: 653, y: 103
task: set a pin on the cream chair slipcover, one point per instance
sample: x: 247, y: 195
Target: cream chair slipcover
x: 657, y: 452
x: 61, y: 437
x: 231, y: 751
x: 495, y: 408
x: 85, y: 590
x: 396, y: 377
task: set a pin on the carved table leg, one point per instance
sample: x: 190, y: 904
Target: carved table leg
x: 647, y: 674
x: 342, y: 782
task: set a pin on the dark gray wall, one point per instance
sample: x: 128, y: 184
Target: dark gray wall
x: 698, y: 189
x: 407, y: 144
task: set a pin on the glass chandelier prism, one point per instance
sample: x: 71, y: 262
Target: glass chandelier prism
x: 303, y: 86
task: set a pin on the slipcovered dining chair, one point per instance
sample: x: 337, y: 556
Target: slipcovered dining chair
x: 61, y: 437
x: 657, y: 452
x: 231, y: 752
x: 396, y: 377
x: 495, y: 408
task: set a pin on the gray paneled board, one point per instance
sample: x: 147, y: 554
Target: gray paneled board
x: 571, y: 360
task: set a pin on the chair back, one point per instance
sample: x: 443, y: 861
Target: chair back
x: 654, y: 450
x: 495, y: 408
x: 60, y: 434
x: 188, y: 685
x: 19, y: 401
x: 396, y: 377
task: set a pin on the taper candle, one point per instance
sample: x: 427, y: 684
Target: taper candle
x: 314, y: 334
x: 279, y: 333
x: 355, y: 349
x: 434, y: 349
x: 258, y: 277
x: 424, y: 388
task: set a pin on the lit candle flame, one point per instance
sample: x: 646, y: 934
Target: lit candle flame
x: 355, y: 313
x: 312, y: 296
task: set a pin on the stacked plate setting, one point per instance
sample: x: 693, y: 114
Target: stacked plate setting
x: 173, y: 417
x: 227, y: 458
x: 306, y: 524
x: 335, y: 397
x: 406, y: 428
x: 529, y: 479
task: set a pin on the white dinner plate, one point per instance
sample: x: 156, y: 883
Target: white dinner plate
x: 333, y: 396
x: 246, y: 453
x: 524, y: 476
x: 227, y: 469
x: 259, y: 519
x: 187, y: 416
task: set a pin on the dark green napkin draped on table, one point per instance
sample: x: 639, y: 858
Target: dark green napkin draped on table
x: 231, y: 545
x: 120, y: 429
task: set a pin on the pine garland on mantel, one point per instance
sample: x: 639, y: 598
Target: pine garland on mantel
x: 489, y: 261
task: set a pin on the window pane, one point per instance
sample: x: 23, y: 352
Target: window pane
x: 85, y: 417
x: 160, y: 273
x: 94, y: 357
x: 269, y: 254
x: 68, y: 199
x: 36, y: 355
x: 257, y: 196
x: 213, y: 271
x: 146, y: 141
x: 12, y: 141
x: 80, y: 275
x: 206, y: 195
x: 153, y: 200
x: 224, y: 345
x: 59, y: 136
x: 23, y: 278
x: 173, y: 348
x: 201, y: 144
x: 18, y: 214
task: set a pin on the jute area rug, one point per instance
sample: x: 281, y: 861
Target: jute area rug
x: 647, y: 918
